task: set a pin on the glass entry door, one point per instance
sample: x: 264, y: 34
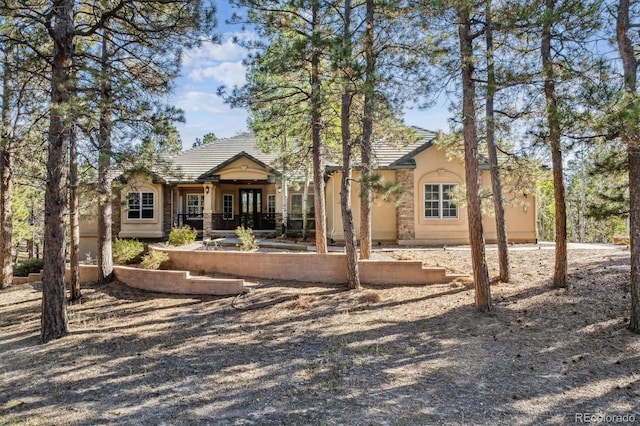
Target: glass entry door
x: 250, y: 208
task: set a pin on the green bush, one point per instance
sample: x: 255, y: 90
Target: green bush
x: 126, y: 252
x: 26, y: 267
x: 154, y: 260
x: 181, y: 236
x: 248, y: 241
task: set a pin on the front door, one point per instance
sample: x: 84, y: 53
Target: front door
x: 250, y: 208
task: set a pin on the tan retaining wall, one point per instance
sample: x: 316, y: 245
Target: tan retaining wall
x: 310, y: 267
x: 177, y: 282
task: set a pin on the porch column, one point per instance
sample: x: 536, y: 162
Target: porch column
x: 207, y: 212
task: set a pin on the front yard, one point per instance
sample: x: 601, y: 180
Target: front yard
x: 291, y: 353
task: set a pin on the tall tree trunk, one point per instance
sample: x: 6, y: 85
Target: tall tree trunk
x: 6, y: 215
x: 316, y: 117
x: 74, y: 220
x: 305, y: 204
x: 476, y: 237
x: 54, y: 303
x: 353, y: 275
x: 367, y: 135
x: 105, y: 246
x: 631, y: 137
x: 553, y: 121
x: 285, y: 202
x: 496, y: 183
x: 6, y: 176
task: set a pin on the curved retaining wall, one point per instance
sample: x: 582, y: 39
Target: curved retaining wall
x: 176, y: 282
x: 307, y: 267
x: 328, y: 268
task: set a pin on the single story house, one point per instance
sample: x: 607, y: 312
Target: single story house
x: 221, y: 185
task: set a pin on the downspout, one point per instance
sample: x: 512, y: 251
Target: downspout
x: 173, y: 224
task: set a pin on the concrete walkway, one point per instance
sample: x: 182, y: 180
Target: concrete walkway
x: 543, y: 245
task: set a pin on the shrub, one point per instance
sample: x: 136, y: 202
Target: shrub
x: 248, y: 241
x: 26, y: 267
x: 154, y: 260
x: 181, y: 236
x: 126, y: 252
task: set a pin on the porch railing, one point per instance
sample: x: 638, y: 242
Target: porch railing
x: 257, y: 221
x: 296, y: 223
x: 193, y: 220
x: 261, y: 221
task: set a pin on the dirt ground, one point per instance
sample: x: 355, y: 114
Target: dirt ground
x: 306, y: 354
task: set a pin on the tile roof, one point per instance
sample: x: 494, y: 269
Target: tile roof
x: 389, y: 155
x: 190, y: 165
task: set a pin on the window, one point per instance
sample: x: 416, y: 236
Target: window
x: 271, y: 203
x: 195, y: 205
x: 438, y: 203
x: 227, y: 207
x: 140, y: 205
x: 296, y: 205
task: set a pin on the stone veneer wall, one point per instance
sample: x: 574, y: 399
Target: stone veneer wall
x: 405, y: 212
x: 279, y: 228
x: 167, y: 225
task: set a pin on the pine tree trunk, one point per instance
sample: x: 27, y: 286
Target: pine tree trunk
x: 350, y: 244
x: 367, y: 136
x: 54, y: 303
x: 74, y: 220
x: 553, y: 121
x: 305, y: 204
x: 105, y: 237
x: 353, y: 276
x: 632, y: 139
x: 496, y: 183
x: 6, y: 178
x: 6, y: 215
x: 316, y: 117
x: 476, y: 238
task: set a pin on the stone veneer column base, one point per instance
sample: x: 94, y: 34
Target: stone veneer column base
x: 405, y: 212
x: 207, y: 222
x: 279, y: 228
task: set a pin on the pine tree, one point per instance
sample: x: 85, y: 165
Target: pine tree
x: 631, y: 137
x: 476, y: 238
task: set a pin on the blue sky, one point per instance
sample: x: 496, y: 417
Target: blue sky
x: 213, y: 65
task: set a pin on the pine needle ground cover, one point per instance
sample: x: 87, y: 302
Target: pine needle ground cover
x: 292, y: 353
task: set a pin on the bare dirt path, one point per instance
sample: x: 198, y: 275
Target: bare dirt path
x: 291, y: 353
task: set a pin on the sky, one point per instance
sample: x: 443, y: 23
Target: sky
x: 213, y: 65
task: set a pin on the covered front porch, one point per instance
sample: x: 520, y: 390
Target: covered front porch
x: 225, y: 205
x: 241, y: 191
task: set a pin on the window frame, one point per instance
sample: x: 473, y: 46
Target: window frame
x: 443, y: 199
x: 200, y: 204
x: 225, y: 214
x: 141, y: 206
x: 271, y: 203
x: 310, y: 205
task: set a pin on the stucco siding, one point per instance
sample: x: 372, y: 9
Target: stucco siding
x: 383, y: 213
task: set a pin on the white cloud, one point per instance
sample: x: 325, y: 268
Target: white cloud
x: 211, y: 53
x: 201, y: 102
x: 228, y: 73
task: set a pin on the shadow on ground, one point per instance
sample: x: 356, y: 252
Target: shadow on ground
x: 310, y: 354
